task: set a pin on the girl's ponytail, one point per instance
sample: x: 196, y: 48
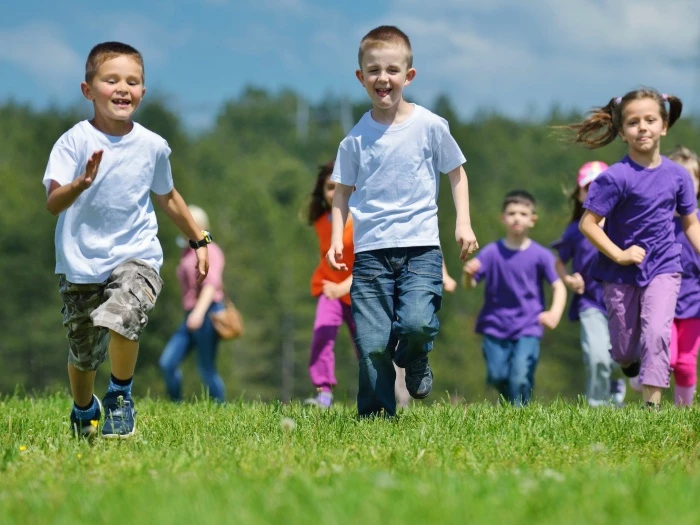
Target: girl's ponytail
x: 675, y: 107
x: 599, y: 128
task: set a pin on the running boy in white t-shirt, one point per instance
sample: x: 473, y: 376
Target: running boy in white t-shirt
x: 98, y: 181
x: 393, y: 157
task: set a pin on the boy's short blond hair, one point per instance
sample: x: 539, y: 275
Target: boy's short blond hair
x: 382, y: 36
x: 107, y: 51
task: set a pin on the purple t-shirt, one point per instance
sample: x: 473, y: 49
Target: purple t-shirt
x: 573, y: 246
x: 688, y: 305
x: 638, y: 204
x: 514, y: 295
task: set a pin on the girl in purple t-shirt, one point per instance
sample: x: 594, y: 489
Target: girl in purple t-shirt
x: 587, y: 305
x: 639, y: 260
x: 685, y: 330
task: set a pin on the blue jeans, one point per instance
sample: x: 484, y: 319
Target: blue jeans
x: 395, y: 294
x: 206, y: 341
x: 510, y: 366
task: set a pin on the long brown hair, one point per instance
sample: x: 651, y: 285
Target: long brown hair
x: 578, y: 210
x: 317, y: 202
x: 603, y: 124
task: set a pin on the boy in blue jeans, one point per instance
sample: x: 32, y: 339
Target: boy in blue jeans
x: 393, y: 157
x: 98, y: 181
x: 513, y: 315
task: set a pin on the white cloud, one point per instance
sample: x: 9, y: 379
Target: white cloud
x: 41, y: 50
x: 507, y: 54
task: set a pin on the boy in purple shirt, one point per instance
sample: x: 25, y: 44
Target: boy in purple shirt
x: 685, y: 330
x: 639, y: 259
x: 513, y: 315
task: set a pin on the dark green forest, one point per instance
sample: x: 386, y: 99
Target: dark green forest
x: 252, y: 170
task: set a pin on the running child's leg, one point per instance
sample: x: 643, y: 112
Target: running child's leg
x: 329, y: 317
x: 595, y: 343
x: 418, y: 299
x: 623, y: 304
x: 87, y: 349
x: 498, y: 354
x: 658, y: 306
x: 130, y: 294
x: 686, y: 364
x: 521, y: 381
x: 372, y: 296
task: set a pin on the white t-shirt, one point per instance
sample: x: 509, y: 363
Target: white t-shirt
x: 113, y: 220
x: 395, y: 170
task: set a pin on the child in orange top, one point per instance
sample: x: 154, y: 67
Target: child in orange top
x: 332, y: 289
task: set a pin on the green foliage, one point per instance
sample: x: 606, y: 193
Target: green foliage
x: 253, y: 171
x: 273, y: 463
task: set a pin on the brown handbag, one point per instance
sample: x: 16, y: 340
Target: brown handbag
x: 228, y: 323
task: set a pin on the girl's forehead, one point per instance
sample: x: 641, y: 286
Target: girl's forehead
x: 642, y: 106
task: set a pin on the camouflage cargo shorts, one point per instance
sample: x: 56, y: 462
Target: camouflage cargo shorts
x: 121, y: 303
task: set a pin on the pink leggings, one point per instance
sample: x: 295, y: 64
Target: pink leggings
x: 685, y: 340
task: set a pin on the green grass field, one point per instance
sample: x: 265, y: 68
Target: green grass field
x: 271, y: 463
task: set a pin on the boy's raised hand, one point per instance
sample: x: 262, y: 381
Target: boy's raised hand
x: 93, y: 165
x: 464, y: 235
x: 335, y: 255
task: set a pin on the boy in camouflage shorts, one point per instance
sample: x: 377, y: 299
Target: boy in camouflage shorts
x: 99, y: 180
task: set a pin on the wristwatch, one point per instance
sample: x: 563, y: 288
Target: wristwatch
x: 206, y: 239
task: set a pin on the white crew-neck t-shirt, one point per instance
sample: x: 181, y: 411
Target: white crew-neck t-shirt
x: 113, y: 220
x: 395, y: 170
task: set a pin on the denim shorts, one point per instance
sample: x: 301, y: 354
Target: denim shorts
x: 121, y: 303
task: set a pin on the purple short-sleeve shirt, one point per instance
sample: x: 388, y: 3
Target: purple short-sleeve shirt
x: 638, y: 204
x: 573, y: 246
x: 688, y: 305
x: 513, y: 294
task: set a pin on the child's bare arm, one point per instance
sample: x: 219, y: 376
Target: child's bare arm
x: 691, y: 228
x: 60, y: 198
x: 339, y: 215
x: 594, y: 233
x: 550, y: 318
x: 464, y: 235
x: 176, y: 209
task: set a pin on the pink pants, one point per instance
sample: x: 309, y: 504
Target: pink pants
x: 640, y: 320
x: 685, y: 340
x: 330, y: 314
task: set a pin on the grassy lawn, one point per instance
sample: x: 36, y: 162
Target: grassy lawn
x: 271, y: 463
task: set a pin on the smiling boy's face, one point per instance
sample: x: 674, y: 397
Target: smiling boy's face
x: 385, y: 74
x: 116, y: 90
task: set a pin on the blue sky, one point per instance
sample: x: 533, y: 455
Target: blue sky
x: 518, y: 58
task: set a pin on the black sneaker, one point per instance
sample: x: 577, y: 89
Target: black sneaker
x: 120, y: 415
x: 419, y: 378
x: 631, y: 370
x: 86, y: 428
x: 651, y: 406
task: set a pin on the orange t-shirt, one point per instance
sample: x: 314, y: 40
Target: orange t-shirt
x: 323, y: 271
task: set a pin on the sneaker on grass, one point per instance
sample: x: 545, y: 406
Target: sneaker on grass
x: 419, y: 378
x: 323, y: 399
x: 86, y: 428
x: 120, y: 415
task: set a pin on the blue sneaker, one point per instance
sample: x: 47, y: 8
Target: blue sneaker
x: 120, y: 415
x: 419, y: 378
x: 86, y: 428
